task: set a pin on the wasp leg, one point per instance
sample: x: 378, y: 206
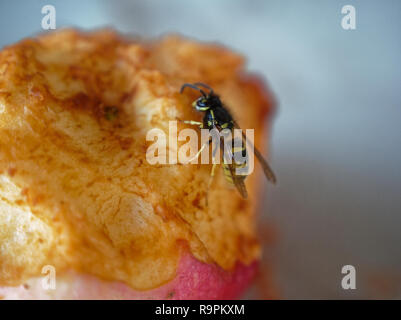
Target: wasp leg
x: 200, y: 151
x: 210, y: 182
x: 211, y: 173
x: 194, y: 123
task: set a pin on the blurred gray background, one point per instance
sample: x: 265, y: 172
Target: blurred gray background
x: 336, y: 139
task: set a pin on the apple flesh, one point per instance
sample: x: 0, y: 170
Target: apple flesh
x: 194, y: 280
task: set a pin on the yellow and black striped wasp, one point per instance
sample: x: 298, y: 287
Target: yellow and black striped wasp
x: 217, y: 117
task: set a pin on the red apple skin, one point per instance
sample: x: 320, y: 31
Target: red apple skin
x: 194, y: 280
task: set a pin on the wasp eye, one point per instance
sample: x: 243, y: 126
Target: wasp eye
x: 201, y: 102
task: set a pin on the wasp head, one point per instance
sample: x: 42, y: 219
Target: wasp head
x: 207, y: 100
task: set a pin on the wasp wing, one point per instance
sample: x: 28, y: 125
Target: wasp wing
x: 265, y: 166
x: 237, y: 180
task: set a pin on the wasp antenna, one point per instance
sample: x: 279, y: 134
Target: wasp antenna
x: 189, y: 85
x: 204, y: 85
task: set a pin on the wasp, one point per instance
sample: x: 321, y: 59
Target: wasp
x: 216, y: 116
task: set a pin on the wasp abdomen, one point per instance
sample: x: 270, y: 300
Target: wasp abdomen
x: 239, y: 161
